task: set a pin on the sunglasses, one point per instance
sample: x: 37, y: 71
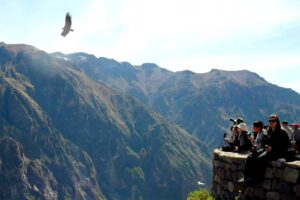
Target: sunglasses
x: 272, y: 120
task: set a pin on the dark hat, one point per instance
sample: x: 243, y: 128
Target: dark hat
x: 239, y: 120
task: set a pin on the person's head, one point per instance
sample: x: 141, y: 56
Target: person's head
x: 257, y: 126
x: 295, y: 126
x: 274, y: 122
x: 285, y: 123
x: 242, y: 127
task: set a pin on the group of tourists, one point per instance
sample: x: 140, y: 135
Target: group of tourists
x: 264, y: 143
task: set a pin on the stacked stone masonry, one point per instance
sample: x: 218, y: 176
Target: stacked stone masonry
x: 281, y: 181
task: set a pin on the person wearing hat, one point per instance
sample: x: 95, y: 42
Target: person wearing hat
x: 243, y: 144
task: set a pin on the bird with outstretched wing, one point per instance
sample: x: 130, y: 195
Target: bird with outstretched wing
x: 67, y: 27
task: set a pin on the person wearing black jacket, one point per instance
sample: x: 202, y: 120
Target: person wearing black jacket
x: 277, y: 143
x: 278, y: 140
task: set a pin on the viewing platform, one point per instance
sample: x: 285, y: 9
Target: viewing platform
x: 281, y: 181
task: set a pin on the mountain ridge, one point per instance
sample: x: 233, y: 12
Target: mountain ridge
x: 186, y: 97
x: 132, y: 151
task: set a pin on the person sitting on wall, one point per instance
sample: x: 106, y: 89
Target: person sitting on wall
x: 231, y: 140
x: 285, y: 126
x: 296, y: 131
x: 238, y: 141
x: 277, y: 144
x: 259, y: 137
x: 243, y: 143
x: 233, y: 129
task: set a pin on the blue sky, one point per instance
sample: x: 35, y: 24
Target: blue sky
x: 262, y: 36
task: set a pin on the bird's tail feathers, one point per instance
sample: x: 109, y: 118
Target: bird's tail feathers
x: 71, y: 30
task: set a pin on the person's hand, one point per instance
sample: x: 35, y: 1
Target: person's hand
x: 251, y: 139
x: 268, y: 148
x: 236, y: 148
x: 254, y: 148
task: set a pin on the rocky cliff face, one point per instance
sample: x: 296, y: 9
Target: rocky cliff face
x: 105, y: 129
x: 200, y: 103
x: 34, y: 154
x: 94, y: 140
x: 19, y: 173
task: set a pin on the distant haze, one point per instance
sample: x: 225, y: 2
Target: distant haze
x: 259, y: 35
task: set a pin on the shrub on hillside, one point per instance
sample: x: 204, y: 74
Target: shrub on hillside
x: 201, y: 194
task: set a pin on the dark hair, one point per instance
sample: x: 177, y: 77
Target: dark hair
x: 258, y: 124
x: 278, y: 126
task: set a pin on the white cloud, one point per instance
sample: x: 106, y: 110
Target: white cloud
x: 176, y: 34
x: 195, y: 21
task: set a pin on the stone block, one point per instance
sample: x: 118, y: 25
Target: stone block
x: 228, y: 195
x: 221, y: 173
x: 283, y: 187
x: 274, y: 183
x: 272, y: 196
x: 269, y: 172
x: 217, y: 179
x: 290, y: 175
x: 228, y: 175
x: 259, y: 192
x: 218, y: 190
x: 249, y: 191
x: 288, y: 196
x: 278, y: 173
x: 278, y: 164
x: 233, y: 167
x: 226, y: 166
x: 267, y: 184
x: 234, y: 177
x: 224, y: 184
x: 218, y: 164
x: 230, y: 186
x: 240, y: 167
x: 296, y: 189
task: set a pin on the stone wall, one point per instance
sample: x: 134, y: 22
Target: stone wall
x: 281, y: 179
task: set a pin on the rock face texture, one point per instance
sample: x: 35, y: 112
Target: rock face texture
x: 66, y: 136
x: 281, y: 179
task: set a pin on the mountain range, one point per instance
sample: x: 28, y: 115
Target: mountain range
x: 84, y: 139
x: 79, y: 127
x: 203, y: 103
